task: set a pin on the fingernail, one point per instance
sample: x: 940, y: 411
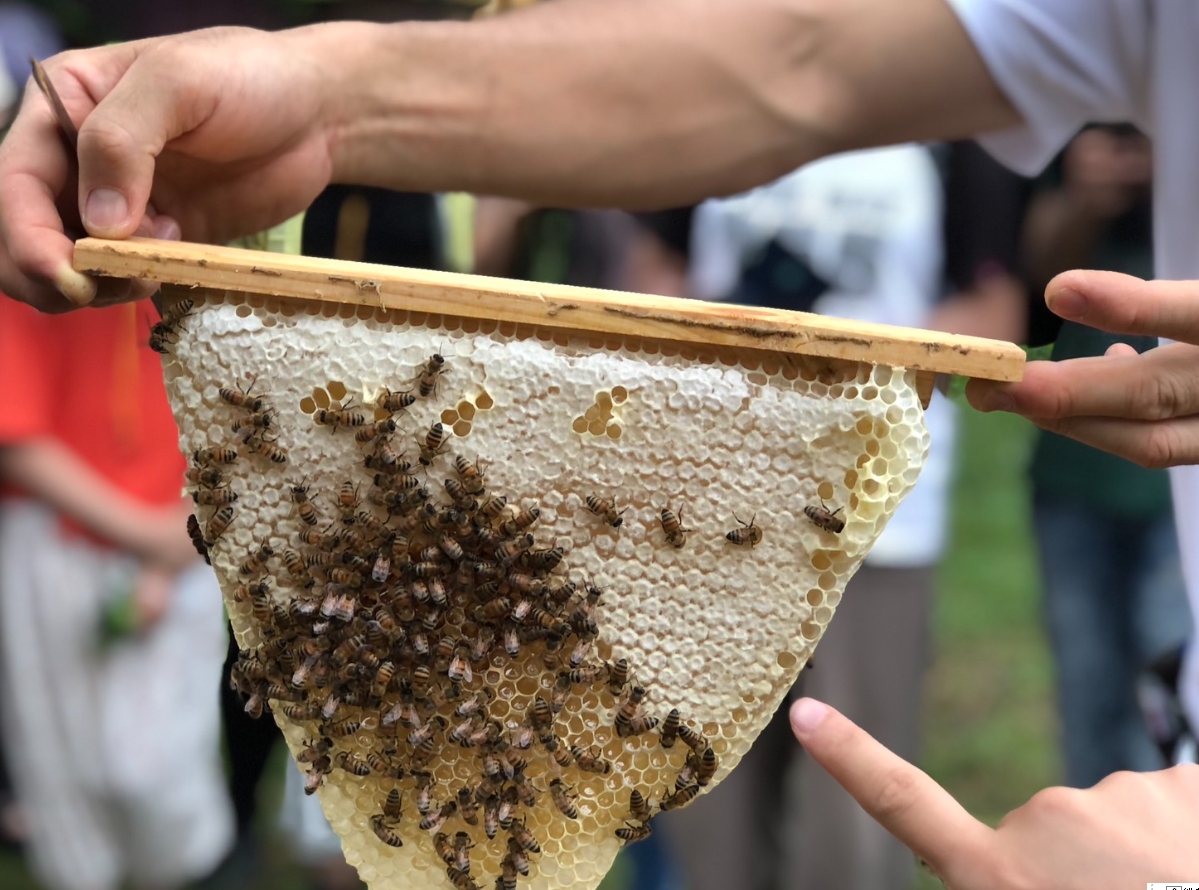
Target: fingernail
x: 807, y: 714
x: 77, y: 288
x: 106, y: 209
x: 1067, y: 303
x: 167, y: 229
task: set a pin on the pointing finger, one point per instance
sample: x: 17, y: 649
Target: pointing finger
x: 1124, y: 304
x: 900, y: 797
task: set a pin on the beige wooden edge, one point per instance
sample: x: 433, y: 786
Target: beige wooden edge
x: 546, y: 305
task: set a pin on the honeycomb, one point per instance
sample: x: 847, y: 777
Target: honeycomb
x: 707, y: 506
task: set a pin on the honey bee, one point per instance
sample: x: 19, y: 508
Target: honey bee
x: 335, y: 417
x: 507, y: 553
x: 692, y: 739
x: 545, y: 559
x: 208, y: 476
x: 434, y: 821
x: 541, y: 716
x: 638, y: 806
x: 166, y: 332
x: 605, y: 508
x: 299, y: 712
x: 424, y: 792
x: 342, y: 729
x: 242, y: 398
x: 680, y: 797
x: 221, y: 455
x: 590, y: 762
x: 268, y: 449
x: 249, y: 425
x: 507, y: 877
x: 347, y: 497
x: 429, y: 374
x: 461, y: 880
x: 383, y: 678
x: 295, y: 564
x: 393, y: 806
x: 468, y: 809
x: 521, y: 834
x: 579, y: 653
x: 629, y: 719
x: 520, y: 859
x: 381, y: 570
x: 618, y: 675
x: 706, y: 768
x: 492, y: 506
x: 472, y: 474
x: 433, y: 444
x: 255, y: 705
x: 307, y: 512
x: 353, y: 764
x: 375, y: 431
x: 476, y: 704
x: 672, y: 526
x: 491, y: 816
x: 384, y: 833
x: 822, y: 518
x: 633, y: 833
x: 670, y: 729
x: 255, y: 562
x: 197, y: 536
x: 395, y: 401
x: 520, y: 521
x: 444, y: 848
x: 564, y: 799
x: 420, y: 682
x: 557, y: 750
x: 462, y: 733
x: 316, y: 775
x: 217, y: 525
x: 749, y: 533
x: 320, y: 540
x: 462, y: 847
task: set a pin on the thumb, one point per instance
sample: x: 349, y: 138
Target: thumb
x: 1125, y: 304
x: 900, y: 797
x: 119, y: 145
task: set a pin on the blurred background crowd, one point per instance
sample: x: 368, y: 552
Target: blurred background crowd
x: 1019, y: 624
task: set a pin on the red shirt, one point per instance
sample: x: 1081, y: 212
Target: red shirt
x: 90, y: 380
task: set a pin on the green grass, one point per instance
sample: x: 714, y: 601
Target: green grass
x: 990, y: 724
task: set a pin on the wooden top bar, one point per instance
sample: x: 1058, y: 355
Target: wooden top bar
x: 548, y: 305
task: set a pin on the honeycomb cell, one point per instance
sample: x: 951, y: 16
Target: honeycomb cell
x: 462, y: 429
x: 702, y: 442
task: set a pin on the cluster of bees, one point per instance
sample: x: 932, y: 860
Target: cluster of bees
x: 400, y: 595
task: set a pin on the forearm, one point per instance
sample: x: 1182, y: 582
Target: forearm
x: 642, y: 104
x: 54, y: 475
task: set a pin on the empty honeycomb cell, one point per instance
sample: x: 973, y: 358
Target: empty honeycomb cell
x: 872, y: 447
x: 449, y: 417
x: 462, y: 429
x: 580, y: 425
x: 827, y: 581
x: 895, y: 414
x: 786, y: 660
x: 879, y: 467
x: 865, y: 426
x: 821, y: 561
x: 851, y: 478
x: 466, y: 410
x: 825, y: 490
x: 614, y: 431
x: 321, y: 397
x: 597, y: 427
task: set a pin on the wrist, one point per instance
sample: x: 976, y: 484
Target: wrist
x: 387, y: 92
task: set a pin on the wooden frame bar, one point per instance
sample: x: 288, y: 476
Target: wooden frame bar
x: 547, y: 305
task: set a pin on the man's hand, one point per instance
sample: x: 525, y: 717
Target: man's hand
x: 205, y: 136
x: 1142, y: 407
x: 1129, y: 830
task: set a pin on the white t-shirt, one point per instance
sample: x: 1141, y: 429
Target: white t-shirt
x: 1064, y: 63
x: 869, y: 223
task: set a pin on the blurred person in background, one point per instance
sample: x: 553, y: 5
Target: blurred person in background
x: 111, y: 627
x: 1114, y: 595
x: 855, y: 236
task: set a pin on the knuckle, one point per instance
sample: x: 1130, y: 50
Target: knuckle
x: 106, y: 136
x: 895, y: 796
x: 1162, y: 447
x: 1160, y: 396
x: 1052, y: 801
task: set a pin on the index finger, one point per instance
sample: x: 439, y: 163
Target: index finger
x: 33, y: 171
x: 1125, y: 304
x: 899, y: 796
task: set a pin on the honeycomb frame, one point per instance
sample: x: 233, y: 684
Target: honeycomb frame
x: 721, y: 435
